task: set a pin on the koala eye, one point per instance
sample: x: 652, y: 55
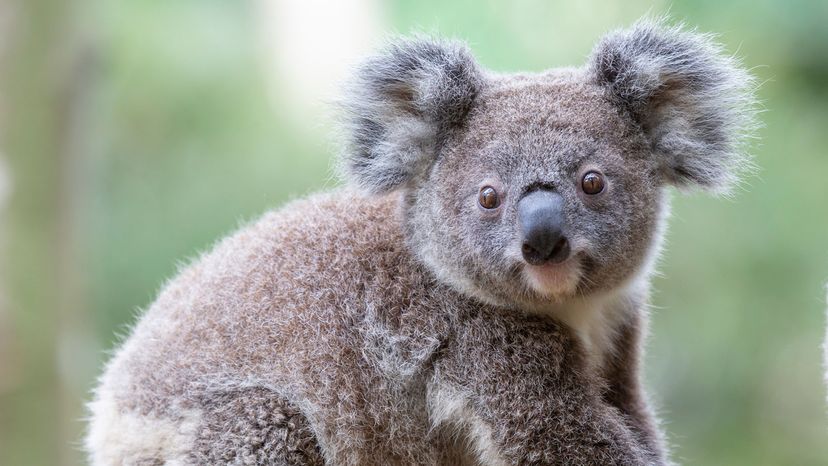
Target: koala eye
x: 488, y: 198
x: 592, y: 183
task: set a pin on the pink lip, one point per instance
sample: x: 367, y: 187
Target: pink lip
x: 552, y: 278
x: 550, y: 269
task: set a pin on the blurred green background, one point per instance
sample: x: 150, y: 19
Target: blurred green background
x: 136, y: 133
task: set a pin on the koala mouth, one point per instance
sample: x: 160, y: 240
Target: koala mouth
x: 553, y: 279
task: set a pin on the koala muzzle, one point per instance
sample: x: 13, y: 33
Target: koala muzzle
x: 540, y: 214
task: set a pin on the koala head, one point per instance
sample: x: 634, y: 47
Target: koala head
x: 534, y: 189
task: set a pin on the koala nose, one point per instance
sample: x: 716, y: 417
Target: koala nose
x: 540, y: 214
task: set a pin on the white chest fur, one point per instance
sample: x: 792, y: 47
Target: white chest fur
x: 597, y: 320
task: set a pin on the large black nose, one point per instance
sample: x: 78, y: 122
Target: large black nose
x: 540, y: 214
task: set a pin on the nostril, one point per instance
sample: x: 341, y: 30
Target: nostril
x: 560, y: 251
x: 532, y: 255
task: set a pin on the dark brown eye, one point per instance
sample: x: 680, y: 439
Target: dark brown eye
x: 592, y: 183
x: 488, y: 198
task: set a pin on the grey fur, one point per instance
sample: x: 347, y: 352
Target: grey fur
x: 224, y: 436
x: 399, y: 106
x: 405, y: 328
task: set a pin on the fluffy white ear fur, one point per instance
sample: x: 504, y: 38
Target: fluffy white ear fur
x: 694, y: 102
x: 398, y: 106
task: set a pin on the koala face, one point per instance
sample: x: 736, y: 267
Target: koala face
x: 531, y: 190
x: 546, y: 193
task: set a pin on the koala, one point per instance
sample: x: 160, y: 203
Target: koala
x: 476, y: 293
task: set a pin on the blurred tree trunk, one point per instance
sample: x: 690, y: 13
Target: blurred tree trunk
x: 9, y: 367
x: 46, y: 94
x: 9, y: 372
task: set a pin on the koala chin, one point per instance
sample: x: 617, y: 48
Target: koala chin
x: 475, y: 294
x: 554, y: 280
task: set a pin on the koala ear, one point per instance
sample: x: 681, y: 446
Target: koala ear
x: 399, y: 107
x: 694, y: 103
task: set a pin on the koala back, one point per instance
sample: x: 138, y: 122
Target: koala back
x: 320, y: 304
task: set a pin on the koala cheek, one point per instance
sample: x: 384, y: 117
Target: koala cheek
x: 580, y: 243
